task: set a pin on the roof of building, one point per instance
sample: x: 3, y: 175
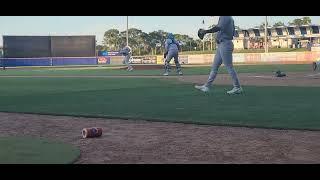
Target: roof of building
x: 269, y: 27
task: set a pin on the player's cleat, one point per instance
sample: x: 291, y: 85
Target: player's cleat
x: 180, y: 73
x: 130, y: 69
x: 235, y: 90
x: 166, y: 74
x: 202, y: 88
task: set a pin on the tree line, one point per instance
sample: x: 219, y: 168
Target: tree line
x: 152, y: 43
x: 296, y: 22
x: 143, y: 43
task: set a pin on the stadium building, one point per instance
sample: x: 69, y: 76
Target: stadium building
x: 278, y: 37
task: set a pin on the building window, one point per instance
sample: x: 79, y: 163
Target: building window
x: 256, y: 32
x: 245, y: 33
x: 269, y: 32
x: 291, y: 31
x: 279, y: 31
x: 303, y: 30
x: 315, y: 29
x: 236, y: 34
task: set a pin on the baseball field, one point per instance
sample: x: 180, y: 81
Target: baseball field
x: 148, y: 118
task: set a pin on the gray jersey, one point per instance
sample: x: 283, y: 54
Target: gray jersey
x: 126, y: 51
x: 171, y: 45
x: 227, y: 29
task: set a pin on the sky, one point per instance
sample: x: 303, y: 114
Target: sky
x: 97, y: 25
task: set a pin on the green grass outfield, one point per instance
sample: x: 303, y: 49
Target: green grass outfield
x: 162, y: 100
x: 30, y: 150
x: 106, y: 71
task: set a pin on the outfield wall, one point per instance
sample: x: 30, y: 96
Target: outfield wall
x: 239, y: 58
x: 248, y: 58
x: 257, y: 58
x: 13, y: 62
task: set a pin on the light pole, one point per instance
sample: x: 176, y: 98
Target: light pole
x: 211, y: 47
x: 266, y: 35
x: 127, y: 30
x: 203, y: 43
x: 211, y: 41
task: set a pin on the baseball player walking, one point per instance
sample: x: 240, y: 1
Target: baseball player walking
x: 225, y: 32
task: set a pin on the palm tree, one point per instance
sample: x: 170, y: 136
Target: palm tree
x: 279, y: 23
x: 302, y: 21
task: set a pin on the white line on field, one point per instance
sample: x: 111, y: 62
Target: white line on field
x: 261, y: 76
x: 312, y: 75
